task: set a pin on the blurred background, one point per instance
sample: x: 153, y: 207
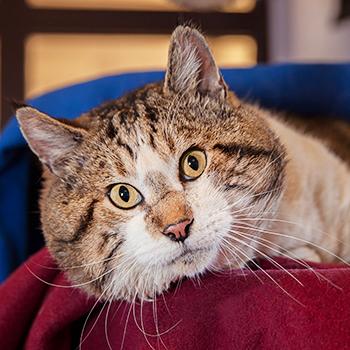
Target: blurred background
x: 47, y: 44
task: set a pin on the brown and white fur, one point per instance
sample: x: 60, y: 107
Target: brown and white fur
x: 267, y: 188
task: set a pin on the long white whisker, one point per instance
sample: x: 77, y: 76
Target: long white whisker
x: 234, y: 250
x: 315, y: 229
x: 126, y: 323
x: 106, y: 325
x: 289, y: 255
x: 264, y: 255
x: 268, y: 275
x: 68, y: 285
x: 269, y: 232
x: 88, y: 316
x: 64, y: 268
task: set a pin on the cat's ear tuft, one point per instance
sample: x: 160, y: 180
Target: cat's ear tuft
x: 51, y: 140
x: 191, y: 65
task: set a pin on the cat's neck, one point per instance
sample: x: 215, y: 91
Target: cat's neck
x: 316, y: 197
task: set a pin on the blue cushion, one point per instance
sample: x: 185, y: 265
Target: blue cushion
x: 307, y: 89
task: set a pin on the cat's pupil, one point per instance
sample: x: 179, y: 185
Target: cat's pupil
x: 193, y: 162
x: 124, y: 193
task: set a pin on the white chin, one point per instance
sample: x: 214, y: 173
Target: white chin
x: 194, y: 263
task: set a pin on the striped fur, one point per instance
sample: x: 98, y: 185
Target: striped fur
x: 252, y: 171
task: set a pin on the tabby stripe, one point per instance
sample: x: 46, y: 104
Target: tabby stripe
x: 111, y: 131
x: 151, y: 113
x: 107, y: 275
x: 126, y: 147
x: 112, y: 252
x: 244, y: 151
x: 85, y: 222
x: 236, y: 186
x: 151, y: 140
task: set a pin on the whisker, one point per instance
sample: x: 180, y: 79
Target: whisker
x: 178, y: 285
x: 238, y: 250
x: 275, y: 263
x: 76, y: 266
x: 270, y: 277
x: 106, y: 325
x: 315, y: 229
x: 294, y: 257
x: 126, y: 323
x: 222, y: 251
x: 70, y: 285
x: 87, y: 318
x: 166, y: 305
x: 141, y: 329
x: 292, y: 237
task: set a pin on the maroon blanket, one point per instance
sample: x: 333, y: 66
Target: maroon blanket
x: 231, y: 311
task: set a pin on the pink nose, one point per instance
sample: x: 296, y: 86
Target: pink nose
x: 180, y: 231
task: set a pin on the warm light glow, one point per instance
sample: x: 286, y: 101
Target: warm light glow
x: 151, y: 5
x: 55, y: 60
x: 234, y: 50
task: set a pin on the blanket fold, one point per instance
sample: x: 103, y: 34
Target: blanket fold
x: 240, y: 309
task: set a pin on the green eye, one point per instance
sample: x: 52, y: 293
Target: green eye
x: 125, y: 196
x: 192, y: 164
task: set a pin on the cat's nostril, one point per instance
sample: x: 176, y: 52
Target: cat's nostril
x: 180, y: 231
x: 187, y: 228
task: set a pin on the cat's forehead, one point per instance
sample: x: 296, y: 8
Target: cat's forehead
x: 149, y: 108
x: 146, y: 116
x: 146, y: 130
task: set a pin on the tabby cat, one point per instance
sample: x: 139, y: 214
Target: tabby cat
x: 181, y: 177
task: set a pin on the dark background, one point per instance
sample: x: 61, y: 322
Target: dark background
x: 18, y: 20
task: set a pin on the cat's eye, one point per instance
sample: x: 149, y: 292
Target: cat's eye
x: 125, y: 196
x: 192, y: 164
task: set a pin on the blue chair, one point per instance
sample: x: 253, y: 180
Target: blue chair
x: 306, y: 89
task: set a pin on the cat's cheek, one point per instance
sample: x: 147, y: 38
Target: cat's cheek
x: 211, y: 211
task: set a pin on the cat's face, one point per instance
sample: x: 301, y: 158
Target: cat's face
x: 144, y: 190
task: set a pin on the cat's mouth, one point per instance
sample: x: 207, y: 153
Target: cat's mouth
x: 188, y: 255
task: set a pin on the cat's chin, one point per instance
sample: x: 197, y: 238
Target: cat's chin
x: 191, y: 263
x: 146, y: 286
x: 191, y: 256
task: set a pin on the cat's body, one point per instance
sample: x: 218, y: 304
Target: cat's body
x: 179, y: 178
x: 317, y: 193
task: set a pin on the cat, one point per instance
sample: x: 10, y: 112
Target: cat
x: 181, y: 177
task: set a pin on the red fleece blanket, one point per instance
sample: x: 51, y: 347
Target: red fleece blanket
x: 261, y: 310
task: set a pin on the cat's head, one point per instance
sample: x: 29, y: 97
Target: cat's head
x: 146, y: 189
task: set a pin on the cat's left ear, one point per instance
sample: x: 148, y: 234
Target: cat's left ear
x: 191, y: 65
x: 50, y: 139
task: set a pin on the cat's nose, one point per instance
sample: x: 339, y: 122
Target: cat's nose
x: 180, y: 231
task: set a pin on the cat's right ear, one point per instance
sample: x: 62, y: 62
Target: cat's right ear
x: 51, y: 140
x: 191, y: 66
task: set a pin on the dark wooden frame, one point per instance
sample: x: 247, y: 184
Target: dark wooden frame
x: 344, y: 10
x: 17, y: 20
